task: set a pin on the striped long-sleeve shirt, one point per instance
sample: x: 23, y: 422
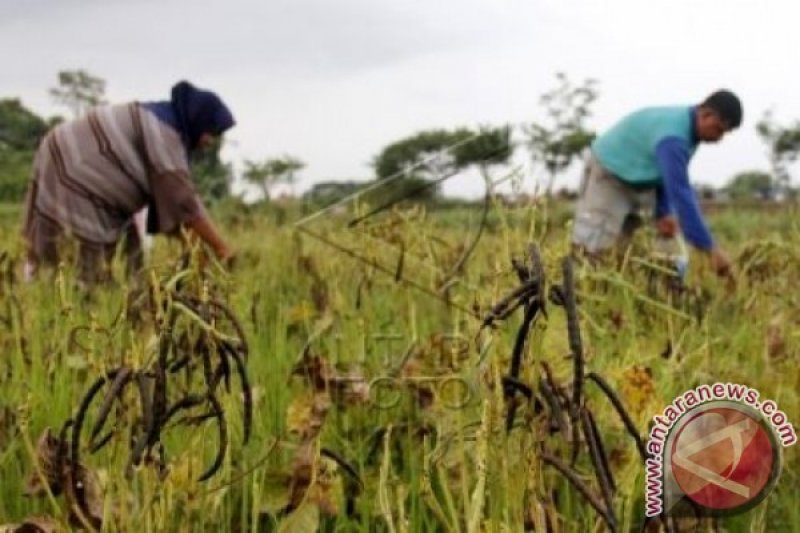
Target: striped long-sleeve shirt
x: 93, y: 173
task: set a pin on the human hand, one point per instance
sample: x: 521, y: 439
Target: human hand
x: 667, y: 226
x: 226, y: 256
x: 229, y: 261
x: 721, y: 263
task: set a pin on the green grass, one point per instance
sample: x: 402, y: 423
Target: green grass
x: 444, y: 466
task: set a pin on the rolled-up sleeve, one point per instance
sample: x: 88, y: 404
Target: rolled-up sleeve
x: 174, y: 201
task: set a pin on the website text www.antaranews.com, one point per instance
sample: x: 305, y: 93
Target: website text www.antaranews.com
x: 687, y: 401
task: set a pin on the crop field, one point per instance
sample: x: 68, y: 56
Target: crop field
x: 424, y: 370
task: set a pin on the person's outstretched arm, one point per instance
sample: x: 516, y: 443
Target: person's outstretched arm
x: 672, y: 155
x: 204, y: 228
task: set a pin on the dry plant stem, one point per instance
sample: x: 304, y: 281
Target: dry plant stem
x: 574, y: 333
x: 160, y: 401
x: 576, y: 348
x: 557, y: 418
x: 247, y: 391
x: 80, y: 417
x: 511, y: 382
x: 599, y: 461
x: 575, y: 437
x: 63, y: 451
x: 514, y: 385
x: 576, y: 482
x: 524, y: 299
x: 178, y: 364
x: 531, y: 311
x: 555, y: 393
x: 398, y: 273
x: 522, y: 271
x: 235, y: 322
x: 601, y: 448
x: 146, y: 399
x: 204, y: 348
x: 95, y: 447
x: 223, y: 439
x: 74, y: 466
x: 154, y: 409
x: 187, y: 402
x: 504, y: 307
x: 223, y: 372
x: 123, y: 377
x: 139, y: 447
x: 537, y: 272
x: 623, y: 414
x: 347, y: 467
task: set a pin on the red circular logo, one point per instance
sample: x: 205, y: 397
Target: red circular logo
x: 724, y: 457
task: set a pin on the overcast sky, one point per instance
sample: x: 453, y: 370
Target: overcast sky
x: 333, y: 81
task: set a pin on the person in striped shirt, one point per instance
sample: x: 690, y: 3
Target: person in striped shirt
x: 91, y: 176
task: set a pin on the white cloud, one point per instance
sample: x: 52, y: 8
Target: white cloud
x: 334, y: 81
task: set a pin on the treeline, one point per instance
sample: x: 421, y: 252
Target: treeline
x: 21, y: 129
x: 413, y: 167
x: 20, y: 132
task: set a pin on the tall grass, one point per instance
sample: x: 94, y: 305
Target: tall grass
x: 424, y: 465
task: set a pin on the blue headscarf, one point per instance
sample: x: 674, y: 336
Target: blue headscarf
x: 193, y: 112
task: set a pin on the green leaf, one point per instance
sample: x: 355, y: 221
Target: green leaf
x: 76, y: 362
x: 275, y: 494
x: 305, y: 519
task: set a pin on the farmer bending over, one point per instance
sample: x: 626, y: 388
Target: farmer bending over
x: 92, y: 174
x: 642, y: 162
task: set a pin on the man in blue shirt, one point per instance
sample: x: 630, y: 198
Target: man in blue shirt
x: 642, y: 162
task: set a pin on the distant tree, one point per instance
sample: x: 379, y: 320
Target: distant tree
x: 421, y: 156
x: 270, y: 172
x: 78, y: 91
x: 751, y: 184
x: 20, y: 132
x: 558, y: 141
x: 211, y: 175
x: 490, y: 146
x: 329, y: 192
x: 287, y: 168
x: 705, y: 191
x: 419, y: 161
x: 783, y: 147
x: 20, y: 128
x: 15, y: 173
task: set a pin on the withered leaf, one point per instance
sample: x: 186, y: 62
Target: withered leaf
x: 305, y: 519
x: 326, y: 491
x: 776, y: 341
x: 47, y: 449
x: 322, y: 376
x: 638, y: 388
x: 84, y: 497
x: 32, y: 524
x: 306, y: 414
